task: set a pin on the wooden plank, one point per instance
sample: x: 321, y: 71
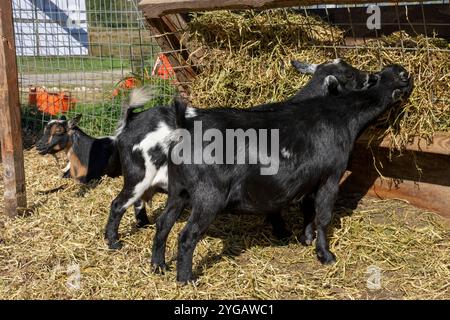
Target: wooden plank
x: 439, y: 145
x: 429, y: 189
x: 10, y: 120
x: 410, y: 19
x: 423, y: 195
x: 159, y: 8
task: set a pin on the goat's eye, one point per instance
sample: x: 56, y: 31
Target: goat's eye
x: 349, y: 75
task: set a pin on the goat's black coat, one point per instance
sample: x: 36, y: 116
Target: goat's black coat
x: 319, y: 134
x: 99, y: 155
x: 334, y: 78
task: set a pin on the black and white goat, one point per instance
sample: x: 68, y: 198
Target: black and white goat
x: 143, y: 138
x: 317, y: 136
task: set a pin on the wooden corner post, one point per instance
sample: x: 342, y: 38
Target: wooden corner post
x: 10, y: 120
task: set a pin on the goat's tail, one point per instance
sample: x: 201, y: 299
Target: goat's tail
x: 180, y: 112
x: 137, y: 99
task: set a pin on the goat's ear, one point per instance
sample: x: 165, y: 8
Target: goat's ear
x: 303, y: 67
x: 74, y: 121
x: 332, y: 84
x: 63, y: 118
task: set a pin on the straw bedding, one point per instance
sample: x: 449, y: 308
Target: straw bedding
x: 244, y: 64
x: 237, y: 259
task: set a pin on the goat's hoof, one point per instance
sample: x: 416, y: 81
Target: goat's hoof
x: 326, y: 257
x: 159, y: 268
x: 306, y: 240
x: 182, y: 283
x: 115, y: 245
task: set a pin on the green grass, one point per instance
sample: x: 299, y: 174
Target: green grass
x: 53, y: 64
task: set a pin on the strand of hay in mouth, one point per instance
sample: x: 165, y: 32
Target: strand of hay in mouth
x: 246, y: 61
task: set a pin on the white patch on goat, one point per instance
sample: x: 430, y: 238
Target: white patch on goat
x: 329, y: 80
x: 140, y: 206
x: 55, y: 121
x: 140, y: 96
x: 285, y: 153
x: 67, y: 167
x: 190, y: 112
x: 161, y: 179
x: 152, y: 175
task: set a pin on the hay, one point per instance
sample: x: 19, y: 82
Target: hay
x: 245, y: 62
x: 65, y: 228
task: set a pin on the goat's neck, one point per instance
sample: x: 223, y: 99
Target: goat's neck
x: 364, y: 111
x: 80, y: 145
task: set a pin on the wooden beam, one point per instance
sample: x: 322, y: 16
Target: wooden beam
x: 159, y: 8
x: 10, y: 119
x: 439, y: 145
x: 428, y: 189
x: 410, y: 18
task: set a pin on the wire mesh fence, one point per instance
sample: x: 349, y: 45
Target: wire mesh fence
x: 75, y: 56
x: 241, y: 58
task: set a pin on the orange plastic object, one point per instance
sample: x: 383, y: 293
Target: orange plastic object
x: 163, y: 68
x: 52, y: 103
x: 127, y: 83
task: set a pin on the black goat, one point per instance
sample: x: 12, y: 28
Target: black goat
x: 143, y: 139
x: 316, y: 137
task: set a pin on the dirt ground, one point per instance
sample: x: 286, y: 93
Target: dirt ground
x: 385, y: 250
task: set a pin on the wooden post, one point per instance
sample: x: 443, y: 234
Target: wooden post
x: 10, y: 120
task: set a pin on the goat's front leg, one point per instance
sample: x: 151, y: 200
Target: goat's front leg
x: 199, y: 221
x: 324, y: 203
x: 164, y: 224
x: 308, y: 211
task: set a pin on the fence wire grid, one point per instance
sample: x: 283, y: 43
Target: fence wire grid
x: 112, y: 42
x: 76, y: 54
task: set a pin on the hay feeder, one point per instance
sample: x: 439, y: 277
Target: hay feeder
x: 418, y: 171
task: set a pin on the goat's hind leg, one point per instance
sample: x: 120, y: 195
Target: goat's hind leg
x: 279, y: 228
x: 118, y: 207
x: 128, y: 195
